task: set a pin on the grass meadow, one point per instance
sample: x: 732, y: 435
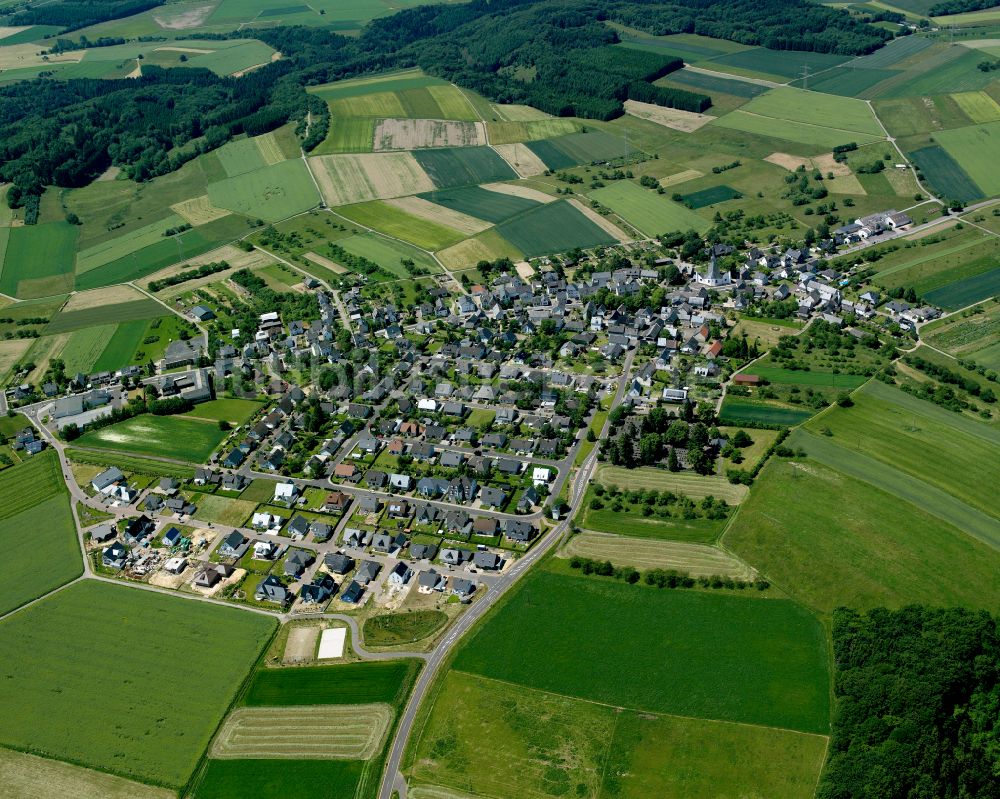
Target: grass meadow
x: 235, y: 411
x: 347, y: 684
x: 128, y: 647
x: 271, y: 193
x: 39, y: 260
x: 734, y: 658
x: 829, y: 539
x: 397, y: 223
x: 736, y: 411
x: 37, y: 532
x: 25, y: 774
x: 648, y: 212
x: 171, y: 437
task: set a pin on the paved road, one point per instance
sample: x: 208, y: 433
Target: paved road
x: 392, y: 778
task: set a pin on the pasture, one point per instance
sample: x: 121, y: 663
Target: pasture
x: 801, y: 377
x: 38, y: 261
x: 317, y: 732
x: 820, y: 136
x: 694, y: 559
x: 26, y: 776
x: 463, y: 166
x: 119, y: 633
x: 690, y: 485
x: 141, y: 309
x: 827, y: 539
x: 735, y: 658
x: 271, y: 192
x: 171, y: 437
x: 664, y: 523
x: 35, y: 502
x: 130, y: 463
x: 648, y: 212
x: 85, y: 347
x: 490, y: 206
x: 396, y: 222
x: 112, y: 249
x: 386, y: 681
x: 556, y: 227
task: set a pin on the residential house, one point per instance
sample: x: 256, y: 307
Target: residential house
x: 400, y: 575
x: 271, y: 589
x: 430, y: 581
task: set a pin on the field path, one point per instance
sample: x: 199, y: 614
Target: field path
x: 770, y: 84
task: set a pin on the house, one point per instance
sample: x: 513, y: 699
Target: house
x: 175, y: 565
x: 338, y: 562
x: 400, y: 575
x: 297, y: 562
x: 485, y: 527
x: 746, y: 380
x: 353, y: 537
x: 487, y: 560
x: 321, y: 531
x: 102, y: 533
x: 115, y: 556
x: 318, y: 591
x: 266, y: 521
x: 452, y: 460
x: 264, y: 550
x: 336, y: 502
x: 541, y: 475
x: 180, y: 506
x: 204, y: 476
x: 285, y: 492
x: 138, y: 530
x: 152, y: 503
x: 234, y: 482
x: 384, y: 542
x: 376, y: 479
x: 346, y: 471
x: 401, y: 482
x: 179, y: 353
x: 528, y: 500
x: 492, y: 497
x: 369, y: 503
x: 233, y: 545
x: 423, y: 551
x: 518, y: 531
x: 352, y: 594
x: 368, y: 571
x: 105, y: 482
x: 298, y: 527
x: 430, y: 581
x: 202, y: 313
x: 172, y: 537
x: 455, y: 557
x: 211, y: 575
x: 271, y: 589
x: 398, y: 509
x: 463, y: 589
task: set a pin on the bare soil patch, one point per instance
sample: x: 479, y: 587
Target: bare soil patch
x: 673, y: 118
x: 514, y: 190
x: 826, y: 164
x: 112, y: 295
x: 173, y: 19
x: 415, y: 134
x: 521, y: 159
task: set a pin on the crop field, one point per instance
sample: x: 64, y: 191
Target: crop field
x: 118, y: 633
x: 346, y: 179
x: 348, y: 135
x: 885, y: 551
x: 66, y: 321
x: 387, y: 82
x: 463, y: 166
x: 578, y: 148
x: 529, y: 130
x: 233, y: 60
x: 970, y: 335
x: 439, y: 214
x: 386, y: 681
x: 967, y: 290
x: 39, y: 260
x: 849, y: 80
x: 716, y: 84
x: 35, y: 502
x: 236, y: 779
x: 392, y: 629
x: 302, y: 732
x: 734, y: 658
x: 695, y: 559
x: 395, y: 222
x: 976, y: 149
x: 165, y: 436
x: 711, y: 196
x: 775, y: 63
x: 388, y: 253
x: 978, y: 106
x: 816, y: 109
x: 690, y: 485
x: 556, y: 227
x: 112, y: 249
x: 736, y: 410
x: 953, y: 69
x: 415, y: 134
x: 26, y: 776
x: 486, y: 246
x: 945, y: 174
x: 647, y: 211
x: 272, y: 192
x: 491, y: 206
x: 84, y: 348
x: 125, y: 345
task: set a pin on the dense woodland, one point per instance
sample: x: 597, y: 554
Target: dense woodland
x: 918, y: 705
x: 553, y: 54
x: 76, y: 14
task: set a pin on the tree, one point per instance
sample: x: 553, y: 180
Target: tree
x: 672, y: 463
x: 844, y: 400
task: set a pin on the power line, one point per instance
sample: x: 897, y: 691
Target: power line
x: 805, y: 76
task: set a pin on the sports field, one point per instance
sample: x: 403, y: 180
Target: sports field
x: 271, y: 192
x: 735, y: 658
x: 544, y: 745
x: 647, y: 211
x: 116, y: 635
x: 556, y: 227
x: 37, y: 532
x: 397, y: 223
x: 171, y: 437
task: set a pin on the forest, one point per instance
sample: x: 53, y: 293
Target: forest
x: 76, y: 14
x: 555, y: 55
x: 918, y: 694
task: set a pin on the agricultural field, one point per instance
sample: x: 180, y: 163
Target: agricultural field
x: 691, y: 485
x: 511, y: 132
x: 348, y: 684
x: 463, y: 166
x: 417, y: 134
x: 388, y: 253
x: 158, y: 637
x: 348, y: 135
x: 663, y: 523
x: 885, y: 551
x: 694, y: 559
x: 396, y: 222
x: 737, y: 410
x: 272, y: 192
x: 35, y: 500
x: 578, y: 148
x: 772, y: 649
x: 130, y: 463
x: 233, y: 779
x: 975, y: 149
x: 481, y: 203
x: 972, y: 335
x: 710, y: 196
x: 38, y: 261
x: 486, y: 246
x: 346, y: 179
x: 945, y: 174
x: 547, y: 745
x: 648, y: 212
x: 25, y: 776
x: 172, y: 437
x: 555, y: 227
x: 774, y: 64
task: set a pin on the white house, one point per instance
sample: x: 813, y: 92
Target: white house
x: 285, y: 492
x: 541, y: 475
x: 427, y: 404
x: 263, y: 550
x: 266, y: 522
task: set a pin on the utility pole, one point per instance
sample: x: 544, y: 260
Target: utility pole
x: 805, y: 76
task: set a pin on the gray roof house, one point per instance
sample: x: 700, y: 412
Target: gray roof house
x: 487, y: 560
x: 368, y: 571
x: 271, y: 589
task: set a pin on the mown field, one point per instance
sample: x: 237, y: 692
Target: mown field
x: 827, y: 539
x: 26, y: 776
x: 647, y: 211
x: 622, y: 550
x: 544, y: 745
x: 735, y: 658
x: 123, y: 641
x: 736, y: 410
x: 37, y: 532
x: 162, y: 436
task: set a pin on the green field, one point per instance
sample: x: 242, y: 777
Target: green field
x: 223, y: 510
x: 348, y: 135
x: 37, y: 532
x: 815, y: 135
x: 392, y: 629
x: 463, y: 166
x: 978, y: 106
x: 120, y: 640
x: 271, y: 193
x: 647, y: 211
x: 388, y: 253
x: 800, y: 377
x: 130, y: 463
x: 737, y: 411
x: 945, y: 174
x: 829, y: 539
x: 632, y: 523
x: 118, y: 312
x: 735, y: 658
x: 529, y: 130
x: 125, y: 343
x: 967, y: 290
x: 715, y: 84
x: 85, y: 347
x: 710, y: 196
x: 270, y: 779
x: 976, y: 149
x: 776, y: 63
x: 112, y: 249
x: 555, y: 227
x: 348, y: 684
x: 240, y: 156
x: 491, y: 206
x: 973, y: 335
x: 397, y: 223
x: 171, y: 437
x: 235, y: 411
x: 578, y: 148
x: 39, y: 260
